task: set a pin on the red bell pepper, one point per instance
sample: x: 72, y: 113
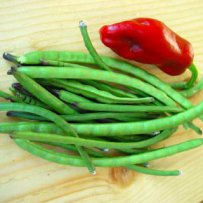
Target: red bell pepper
x: 150, y: 41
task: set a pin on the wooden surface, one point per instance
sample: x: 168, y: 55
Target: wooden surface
x: 50, y: 24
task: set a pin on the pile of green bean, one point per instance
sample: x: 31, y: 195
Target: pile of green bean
x: 100, y: 111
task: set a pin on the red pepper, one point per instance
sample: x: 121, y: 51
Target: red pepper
x: 150, y: 41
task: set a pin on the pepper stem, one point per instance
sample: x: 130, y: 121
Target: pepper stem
x: 193, y: 78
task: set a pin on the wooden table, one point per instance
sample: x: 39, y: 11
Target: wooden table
x: 49, y: 24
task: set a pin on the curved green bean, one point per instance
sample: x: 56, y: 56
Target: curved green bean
x: 44, y: 137
x: 112, y: 89
x: 71, y: 97
x: 100, y: 95
x: 141, y: 127
x: 91, y: 152
x: 66, y: 159
x: 88, y: 73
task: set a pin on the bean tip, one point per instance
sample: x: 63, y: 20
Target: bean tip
x: 180, y: 172
x: 9, y: 113
x: 93, y: 172
x: 82, y: 23
x: 9, y: 57
x: 11, y: 136
x: 155, y: 133
x: 146, y: 165
x: 9, y: 72
x: 199, y: 131
x: 16, y: 85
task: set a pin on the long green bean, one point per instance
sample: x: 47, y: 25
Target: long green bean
x: 92, y: 152
x: 43, y: 137
x: 88, y: 73
x: 100, y: 95
x: 125, y: 108
x: 89, y: 116
x: 66, y: 159
x: 112, y: 89
x: 150, y: 171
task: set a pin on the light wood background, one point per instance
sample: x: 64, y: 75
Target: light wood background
x: 50, y: 24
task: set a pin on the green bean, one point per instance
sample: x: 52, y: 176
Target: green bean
x: 8, y: 127
x: 131, y: 138
x: 125, y: 108
x: 112, y: 89
x: 88, y: 116
x: 42, y: 94
x: 44, y: 137
x: 66, y: 159
x: 43, y: 127
x: 193, y: 127
x: 133, y: 151
x: 27, y: 99
x: 106, y: 88
x: 60, y: 122
x: 177, y: 85
x: 56, y: 63
x: 88, y: 73
x: 25, y: 116
x: 100, y: 95
x: 8, y: 96
x: 71, y: 97
x: 193, y: 90
x: 90, y: 48
x: 149, y: 171
x: 141, y: 127
x: 91, y: 152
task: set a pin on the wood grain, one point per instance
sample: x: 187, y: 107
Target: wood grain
x: 44, y: 25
